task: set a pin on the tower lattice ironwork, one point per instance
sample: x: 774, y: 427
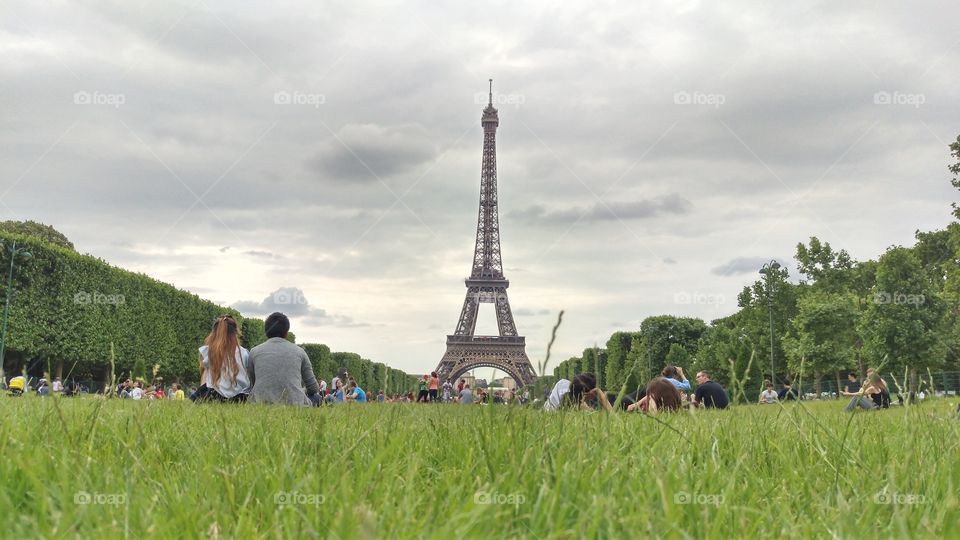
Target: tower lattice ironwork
x: 487, y: 284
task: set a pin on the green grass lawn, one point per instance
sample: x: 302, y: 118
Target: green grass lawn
x: 88, y: 467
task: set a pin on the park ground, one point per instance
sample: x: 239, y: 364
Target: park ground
x: 92, y: 467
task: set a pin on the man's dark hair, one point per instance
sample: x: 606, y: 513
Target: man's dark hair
x: 670, y: 372
x: 852, y: 374
x: 705, y: 373
x: 277, y: 325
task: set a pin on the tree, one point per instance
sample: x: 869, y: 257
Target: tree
x: 754, y: 318
x: 819, y: 263
x: 904, y: 321
x: 662, y: 331
x: 823, y: 335
x: 618, y: 347
x: 955, y: 169
x: 678, y: 356
x: 727, y: 351
x: 37, y: 230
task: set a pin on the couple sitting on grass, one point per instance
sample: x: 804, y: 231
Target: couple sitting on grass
x: 666, y: 393
x: 276, y: 371
x: 873, y: 394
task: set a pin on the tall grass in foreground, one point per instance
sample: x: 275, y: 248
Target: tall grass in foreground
x: 89, y: 467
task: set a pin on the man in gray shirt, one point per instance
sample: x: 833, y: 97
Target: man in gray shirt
x: 466, y: 396
x: 279, y: 370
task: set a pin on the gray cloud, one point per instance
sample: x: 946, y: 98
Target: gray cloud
x: 607, y: 211
x: 741, y: 265
x: 261, y: 254
x: 365, y: 152
x: 292, y: 302
x: 525, y: 312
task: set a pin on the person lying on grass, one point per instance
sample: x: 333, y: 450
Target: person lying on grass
x: 661, y: 395
x: 577, y: 394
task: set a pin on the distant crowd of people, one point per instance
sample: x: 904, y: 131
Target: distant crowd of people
x: 279, y: 371
x: 19, y: 385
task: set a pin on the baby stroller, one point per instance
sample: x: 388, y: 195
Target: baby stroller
x: 17, y: 385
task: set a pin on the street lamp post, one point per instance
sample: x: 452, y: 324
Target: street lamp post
x: 767, y: 272
x: 14, y: 251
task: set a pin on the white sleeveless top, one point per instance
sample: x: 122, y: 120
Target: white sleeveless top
x: 224, y: 386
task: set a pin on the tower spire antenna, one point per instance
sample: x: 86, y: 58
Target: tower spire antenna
x: 491, y: 93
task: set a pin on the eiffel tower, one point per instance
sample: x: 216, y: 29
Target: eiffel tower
x: 486, y: 284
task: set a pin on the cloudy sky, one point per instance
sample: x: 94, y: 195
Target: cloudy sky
x: 324, y: 158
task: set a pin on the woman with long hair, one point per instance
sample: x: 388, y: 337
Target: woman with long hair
x: 661, y: 395
x: 878, y: 391
x: 223, y: 364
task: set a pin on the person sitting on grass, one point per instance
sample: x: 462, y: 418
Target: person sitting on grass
x: 768, y: 396
x: 280, y: 370
x: 870, y: 395
x: 709, y: 394
x: 355, y: 394
x: 223, y: 364
x: 466, y: 395
x: 851, y: 386
x: 123, y: 389
x: 787, y: 393
x: 137, y: 392
x: 675, y: 375
x: 880, y: 394
x: 661, y: 395
x: 339, y: 393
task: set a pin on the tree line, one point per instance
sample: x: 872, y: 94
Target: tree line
x: 900, y: 311
x: 71, y: 315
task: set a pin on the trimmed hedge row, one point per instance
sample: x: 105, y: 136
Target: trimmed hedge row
x: 68, y: 308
